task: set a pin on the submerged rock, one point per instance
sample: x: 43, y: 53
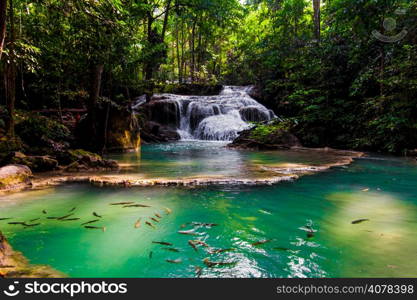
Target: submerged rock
x: 14, y: 176
x: 14, y: 265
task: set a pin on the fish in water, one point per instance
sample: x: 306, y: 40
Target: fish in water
x: 365, y: 190
x: 44, y: 212
x: 360, y: 221
x: 33, y: 220
x: 31, y: 225
x: 155, y: 220
x: 73, y: 209
x: 217, y: 251
x: 97, y: 215
x: 150, y: 255
x: 149, y: 224
x: 122, y: 203
x: 168, y: 210
x: 261, y: 242
x: 89, y: 222
x: 73, y: 219
x: 281, y: 249
x: 135, y: 205
x: 4, y: 219
x: 163, y: 243
x: 198, y: 271
x: 138, y: 223
x: 65, y: 217
x: 176, y: 261
x: 171, y: 250
x: 196, y: 224
x: 16, y: 223
x: 201, y: 243
x: 94, y: 227
x: 193, y: 245
x: 158, y: 216
x: 310, y: 234
x: 211, y: 264
x: 189, y: 232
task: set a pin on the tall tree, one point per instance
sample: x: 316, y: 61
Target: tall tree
x: 10, y: 74
x: 317, y: 19
x: 3, y: 9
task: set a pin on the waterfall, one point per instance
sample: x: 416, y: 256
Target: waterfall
x: 217, y: 118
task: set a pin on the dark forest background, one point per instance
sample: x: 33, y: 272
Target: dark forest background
x: 342, y: 72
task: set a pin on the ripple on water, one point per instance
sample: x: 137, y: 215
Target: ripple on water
x: 283, y: 214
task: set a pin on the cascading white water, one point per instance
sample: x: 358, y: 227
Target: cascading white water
x: 217, y: 118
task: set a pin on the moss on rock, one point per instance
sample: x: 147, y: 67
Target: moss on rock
x: 276, y: 135
x: 14, y: 175
x: 35, y: 163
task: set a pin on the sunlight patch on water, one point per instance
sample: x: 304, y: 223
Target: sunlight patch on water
x: 386, y: 227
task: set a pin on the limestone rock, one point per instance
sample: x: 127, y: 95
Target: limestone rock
x: 276, y: 140
x: 14, y: 176
x: 35, y: 163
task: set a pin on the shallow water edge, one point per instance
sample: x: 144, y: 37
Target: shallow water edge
x: 264, y: 174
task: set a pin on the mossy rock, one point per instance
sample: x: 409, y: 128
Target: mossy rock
x: 70, y: 156
x: 273, y: 136
x: 81, y: 160
x: 14, y: 176
x: 35, y: 163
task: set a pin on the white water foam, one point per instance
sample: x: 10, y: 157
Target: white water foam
x: 216, y: 118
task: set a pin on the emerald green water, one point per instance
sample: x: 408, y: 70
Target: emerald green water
x: 326, y: 202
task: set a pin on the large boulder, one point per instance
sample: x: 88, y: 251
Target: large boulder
x: 161, y: 133
x: 81, y: 160
x: 14, y: 176
x: 162, y: 111
x: 35, y: 163
x: 266, y: 137
x: 117, y: 129
x: 255, y: 92
x: 254, y: 114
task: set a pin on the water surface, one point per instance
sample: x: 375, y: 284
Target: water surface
x: 380, y: 189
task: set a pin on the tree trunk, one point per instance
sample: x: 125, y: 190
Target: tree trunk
x: 192, y: 48
x: 10, y: 76
x: 151, y: 38
x: 183, y: 63
x: 96, y: 74
x: 178, y: 55
x: 3, y: 8
x: 166, y: 17
x: 317, y: 19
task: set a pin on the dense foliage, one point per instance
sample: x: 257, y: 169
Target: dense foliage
x: 345, y: 87
x: 319, y: 63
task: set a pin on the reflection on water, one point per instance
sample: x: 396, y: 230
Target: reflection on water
x: 213, y: 159
x: 293, y: 229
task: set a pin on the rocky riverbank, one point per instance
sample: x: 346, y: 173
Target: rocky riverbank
x: 14, y: 265
x: 257, y: 174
